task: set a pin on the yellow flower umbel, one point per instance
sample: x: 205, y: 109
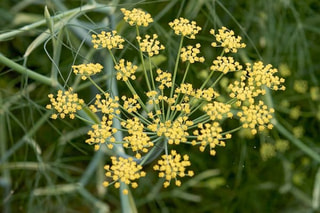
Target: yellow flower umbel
x: 125, y: 70
x: 137, y: 139
x: 109, y: 40
x: 227, y: 40
x: 225, y: 65
x: 185, y: 28
x: 167, y: 110
x: 123, y: 170
x: 256, y: 116
x: 102, y: 133
x: 190, y: 53
x: 172, y: 166
x: 136, y: 17
x: 66, y: 103
x: 209, y: 134
x: 150, y: 45
x: 86, y: 70
x: 253, y: 82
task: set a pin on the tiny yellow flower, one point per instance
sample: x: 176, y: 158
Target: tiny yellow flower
x: 184, y: 27
x: 123, y: 171
x: 209, y: 134
x: 109, y: 40
x: 225, y: 65
x: 227, y: 40
x: 136, y: 17
x: 190, y: 53
x: 216, y: 110
x: 86, y: 70
x: 172, y: 166
x: 102, y: 133
x: 108, y: 106
x: 164, y: 78
x: 125, y: 70
x: 150, y: 45
x: 66, y: 103
x: 256, y: 117
x: 137, y: 140
x: 131, y: 104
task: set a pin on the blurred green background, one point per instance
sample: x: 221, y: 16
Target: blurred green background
x: 42, y: 161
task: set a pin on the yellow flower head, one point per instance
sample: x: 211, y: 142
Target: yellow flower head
x: 184, y: 27
x: 175, y: 131
x: 256, y: 116
x: 164, y: 78
x: 172, y: 166
x: 209, y: 134
x: 253, y: 81
x: 137, y: 140
x: 227, y: 40
x: 86, y: 70
x: 131, y: 104
x: 109, y: 40
x: 216, y: 110
x: 108, y: 106
x: 125, y: 70
x: 66, y: 103
x: 136, y: 17
x: 150, y: 45
x: 123, y: 171
x: 102, y: 132
x: 190, y: 53
x: 225, y: 65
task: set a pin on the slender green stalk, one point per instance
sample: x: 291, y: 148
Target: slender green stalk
x: 176, y: 67
x: 70, y: 13
x: 303, y: 147
x: 142, y: 62
x: 185, y: 73
x: 30, y: 73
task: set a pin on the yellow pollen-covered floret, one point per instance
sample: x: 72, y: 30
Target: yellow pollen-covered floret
x: 123, y: 170
x: 172, y: 166
x: 107, y: 106
x: 86, y: 70
x: 150, y: 45
x: 137, y: 139
x: 125, y: 70
x: 65, y: 103
x: 164, y: 78
x: 184, y: 27
x: 102, y: 132
x: 225, y: 64
x: 136, y: 17
x: 189, y: 53
x: 109, y: 40
x: 227, y: 40
x: 209, y: 134
x: 216, y: 110
x: 256, y: 117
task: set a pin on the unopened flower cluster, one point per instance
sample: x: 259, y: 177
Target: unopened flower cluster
x: 171, y: 112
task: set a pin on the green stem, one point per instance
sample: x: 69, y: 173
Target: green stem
x: 303, y: 147
x: 176, y: 67
x: 30, y: 73
x: 96, y: 85
x: 185, y: 73
x: 76, y: 11
x: 142, y: 61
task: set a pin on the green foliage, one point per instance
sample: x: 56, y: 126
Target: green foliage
x: 45, y: 166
